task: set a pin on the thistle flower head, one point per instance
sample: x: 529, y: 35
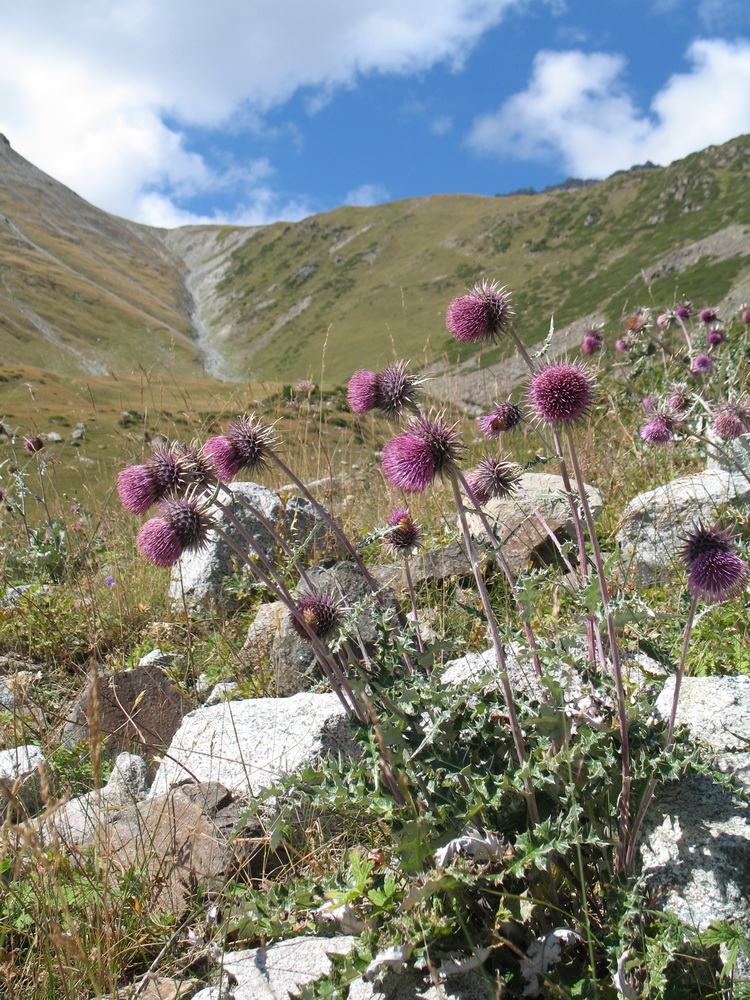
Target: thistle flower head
x: 679, y: 399
x: 405, y: 533
x: 701, y: 364
x: 169, y: 471
x: 745, y: 315
x: 659, y: 429
x: 665, y: 320
x: 396, y: 389
x: 715, y: 337
x: 430, y: 448
x: 731, y: 421
x: 245, y: 446
x: 484, y: 314
x: 504, y: 417
x: 684, y: 310
x: 708, y: 316
x: 621, y: 346
x: 363, y: 391
x: 33, y: 444
x: 592, y: 342
x: 715, y: 571
x: 561, y: 393
x: 320, y: 612
x: 649, y: 403
x: 494, y: 477
x: 181, y: 525
x: 305, y: 387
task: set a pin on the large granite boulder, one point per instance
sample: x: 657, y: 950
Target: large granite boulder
x: 200, y: 576
x: 654, y: 524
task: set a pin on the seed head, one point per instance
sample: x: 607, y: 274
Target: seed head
x: 320, y: 612
x: 245, y: 446
x: 396, y: 390
x: 484, y: 314
x: 363, y: 391
x: 730, y: 422
x: 181, y: 525
x: 659, y: 429
x: 715, y: 571
x: 430, y: 448
x: 33, y: 444
x: 505, y: 417
x: 715, y: 337
x: 707, y: 316
x: 494, y: 477
x: 701, y: 364
x: 592, y: 342
x: 405, y: 532
x: 561, y: 393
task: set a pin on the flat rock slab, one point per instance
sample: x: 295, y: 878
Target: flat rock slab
x: 654, y: 524
x: 22, y: 777
x: 428, y: 566
x: 138, y: 711
x: 247, y: 744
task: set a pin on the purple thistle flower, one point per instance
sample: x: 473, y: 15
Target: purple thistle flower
x: 649, y: 403
x: 745, y: 316
x: 707, y: 316
x: 320, y: 613
x: 363, y: 391
x: 167, y: 472
x: 561, y: 393
x: 730, y: 422
x: 701, y: 364
x: 245, y: 446
x: 180, y: 526
x: 621, y: 346
x: 33, y: 444
x: 395, y: 390
x: 493, y: 478
x: 405, y: 533
x: 430, y: 448
x: 715, y: 571
x: 483, y: 314
x: 679, y: 400
x: 715, y: 337
x: 592, y: 342
x: 504, y: 417
x: 665, y: 320
x: 684, y: 311
x: 136, y: 488
x: 659, y: 429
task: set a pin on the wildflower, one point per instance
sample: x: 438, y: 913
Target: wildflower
x: 33, y: 444
x: 730, y: 422
x: 561, y: 393
x: 430, y: 448
x: 707, y: 316
x: 701, y: 364
x: 109, y: 581
x: 592, y: 341
x: 659, y: 429
x: 305, y: 387
x: 493, y: 478
x: 649, y: 403
x: 679, y: 400
x: 504, y: 417
x: 745, y: 316
x: 714, y: 337
x: 245, y: 445
x: 320, y: 612
x: 621, y: 346
x: 405, y: 532
x: 483, y: 314
x: 180, y: 526
x: 166, y: 473
x: 396, y: 389
x: 715, y: 571
x: 665, y: 320
x: 363, y: 391
x: 684, y: 311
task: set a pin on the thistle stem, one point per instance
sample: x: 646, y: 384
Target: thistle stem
x: 413, y: 599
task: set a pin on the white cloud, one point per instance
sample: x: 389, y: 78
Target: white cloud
x: 441, y: 125
x: 367, y: 194
x: 576, y: 109
x: 88, y: 88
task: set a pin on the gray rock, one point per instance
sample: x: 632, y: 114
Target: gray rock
x: 23, y: 778
x: 654, y: 524
x: 516, y: 523
x: 222, y: 691
x: 430, y: 565
x: 158, y: 658
x: 413, y: 986
x: 266, y: 627
x: 245, y: 745
x: 52, y: 437
x: 732, y: 453
x: 695, y: 849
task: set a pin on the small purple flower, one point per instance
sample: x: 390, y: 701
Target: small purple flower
x: 493, y: 478
x: 707, y: 316
x: 621, y: 346
x: 483, y: 314
x: 504, y: 417
x: 405, y: 532
x: 561, y: 393
x: 701, y: 364
x: 592, y: 342
x: 659, y: 429
x: 714, y: 337
x: 730, y: 422
x: 109, y: 581
x: 245, y: 446
x: 715, y: 571
x: 684, y: 311
x: 164, y: 474
x: 320, y: 612
x: 429, y: 448
x: 679, y: 400
x: 180, y: 526
x: 33, y: 444
x: 745, y: 316
x: 363, y: 391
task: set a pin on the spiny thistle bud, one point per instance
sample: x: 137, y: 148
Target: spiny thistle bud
x: 245, y: 446
x: 561, y: 393
x: 493, y: 478
x: 405, y: 532
x: 715, y: 337
x: 182, y: 525
x: 592, y: 342
x: 484, y: 314
x: 320, y: 612
x: 659, y: 429
x: 504, y: 417
x: 430, y: 448
x: 730, y: 422
x: 715, y: 571
x: 33, y: 444
x: 679, y: 399
x: 396, y: 389
x: 701, y: 364
x: 684, y: 311
x: 707, y: 316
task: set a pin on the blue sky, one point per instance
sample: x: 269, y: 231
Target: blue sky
x: 176, y: 111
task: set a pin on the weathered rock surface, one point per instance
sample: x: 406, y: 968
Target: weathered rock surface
x: 200, y: 576
x: 138, y: 711
x: 695, y: 850
x: 264, y: 630
x: 245, y: 745
x: 413, y: 986
x: 515, y: 522
x: 23, y: 776
x: 17, y: 677
x: 430, y: 565
x: 654, y: 524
